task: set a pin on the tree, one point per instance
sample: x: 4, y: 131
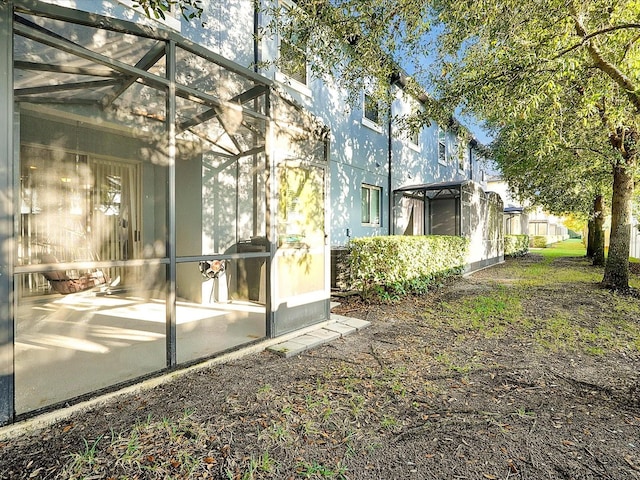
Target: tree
x: 571, y: 170
x: 512, y: 61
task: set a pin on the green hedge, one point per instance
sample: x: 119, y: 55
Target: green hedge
x: 386, y: 268
x: 538, y: 241
x: 541, y: 241
x: 516, y: 245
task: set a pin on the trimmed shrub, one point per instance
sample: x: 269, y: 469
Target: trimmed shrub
x: 516, y: 245
x: 538, y: 241
x: 387, y: 268
x: 542, y: 241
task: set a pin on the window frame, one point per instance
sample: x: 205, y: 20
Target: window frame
x: 442, y: 145
x: 414, y: 139
x: 366, y: 121
x: 290, y: 75
x: 284, y: 77
x: 461, y: 154
x: 368, y: 221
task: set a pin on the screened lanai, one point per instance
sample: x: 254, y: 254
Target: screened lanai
x: 453, y: 208
x: 163, y: 198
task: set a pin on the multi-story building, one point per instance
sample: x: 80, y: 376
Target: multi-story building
x: 165, y: 200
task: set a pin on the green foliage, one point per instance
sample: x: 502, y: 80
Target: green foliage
x: 387, y: 268
x: 559, y: 83
x: 189, y: 9
x: 516, y: 245
x: 542, y: 241
x: 538, y: 241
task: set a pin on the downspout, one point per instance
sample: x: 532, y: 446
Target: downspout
x: 256, y: 31
x: 395, y: 79
x: 389, y: 182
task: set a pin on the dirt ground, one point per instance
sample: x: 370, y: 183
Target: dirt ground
x: 511, y: 373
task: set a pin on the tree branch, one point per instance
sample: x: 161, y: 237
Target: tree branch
x: 607, y: 67
x: 587, y: 37
x: 610, y: 29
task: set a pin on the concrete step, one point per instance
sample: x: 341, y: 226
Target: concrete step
x: 339, y: 327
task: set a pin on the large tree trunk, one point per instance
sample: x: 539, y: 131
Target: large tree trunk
x: 616, y: 272
x: 598, y: 231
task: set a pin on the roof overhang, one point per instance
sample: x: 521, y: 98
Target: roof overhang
x: 435, y: 190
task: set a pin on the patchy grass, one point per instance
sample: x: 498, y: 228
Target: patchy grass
x: 567, y: 248
x: 538, y: 304
x: 487, y: 314
x: 151, y: 449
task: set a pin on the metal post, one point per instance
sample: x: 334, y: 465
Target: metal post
x: 271, y: 172
x: 7, y: 406
x: 171, y: 210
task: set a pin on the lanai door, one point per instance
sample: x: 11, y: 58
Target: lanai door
x: 301, y: 293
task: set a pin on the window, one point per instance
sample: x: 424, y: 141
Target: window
x: 414, y: 137
x: 442, y: 146
x: 371, y: 205
x: 461, y: 155
x: 415, y: 128
x: 371, y: 113
x: 293, y: 62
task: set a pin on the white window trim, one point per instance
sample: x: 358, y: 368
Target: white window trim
x: 379, y: 190
x: 416, y: 146
x: 462, y: 155
x: 282, y: 77
x: 444, y: 131
x: 372, y: 125
x: 292, y: 83
x: 367, y: 122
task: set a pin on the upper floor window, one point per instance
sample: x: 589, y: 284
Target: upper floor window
x: 371, y: 112
x: 462, y: 157
x: 414, y: 129
x: 371, y: 198
x: 414, y: 137
x: 292, y: 52
x: 293, y: 61
x: 442, y: 146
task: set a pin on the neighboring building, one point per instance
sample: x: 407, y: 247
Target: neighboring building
x: 543, y: 223
x: 516, y: 216
x: 164, y: 201
x: 521, y: 219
